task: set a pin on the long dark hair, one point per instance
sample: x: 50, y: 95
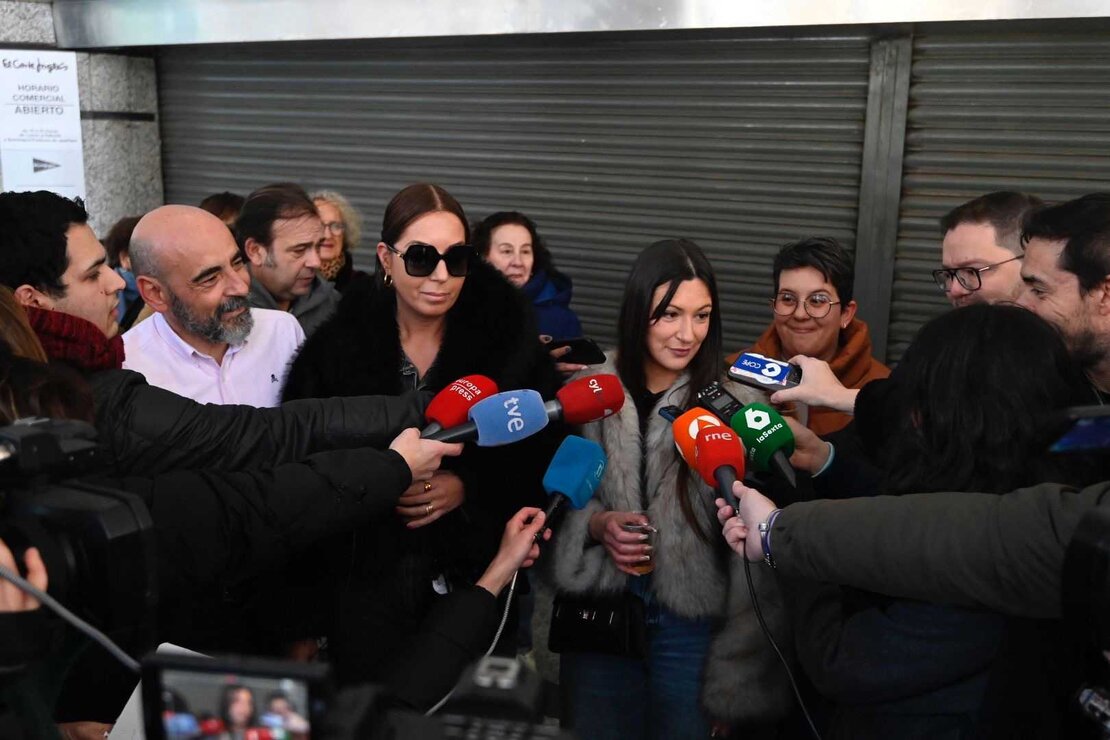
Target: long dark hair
x: 669, y: 262
x: 977, y: 398
x: 225, y: 705
x: 542, y: 261
x: 410, y: 204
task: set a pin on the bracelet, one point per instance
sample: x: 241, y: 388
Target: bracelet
x: 765, y: 536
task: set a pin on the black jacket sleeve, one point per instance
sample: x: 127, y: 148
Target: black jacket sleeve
x: 1004, y: 553
x: 217, y: 528
x: 149, y: 430
x: 456, y: 633
x: 887, y: 652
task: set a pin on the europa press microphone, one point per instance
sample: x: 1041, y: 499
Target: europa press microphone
x: 573, y: 475
x: 500, y: 419
x: 719, y: 460
x: 450, y: 406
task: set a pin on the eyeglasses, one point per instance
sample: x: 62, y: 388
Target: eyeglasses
x: 816, y: 305
x: 421, y: 260
x: 335, y: 227
x: 969, y: 277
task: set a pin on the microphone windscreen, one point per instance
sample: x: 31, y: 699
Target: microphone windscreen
x: 450, y: 406
x: 575, y: 470
x: 508, y: 417
x: 763, y: 432
x: 591, y: 398
x: 686, y: 428
x: 715, y: 447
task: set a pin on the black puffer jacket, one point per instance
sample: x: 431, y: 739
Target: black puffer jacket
x: 148, y: 430
x: 385, y: 575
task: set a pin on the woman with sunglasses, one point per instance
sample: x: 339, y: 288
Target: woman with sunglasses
x: 814, y: 315
x: 704, y: 659
x: 432, y: 313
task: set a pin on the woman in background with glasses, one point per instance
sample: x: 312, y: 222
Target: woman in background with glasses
x: 432, y: 313
x: 342, y: 232
x: 815, y: 315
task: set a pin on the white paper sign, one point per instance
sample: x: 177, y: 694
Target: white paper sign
x: 40, y: 122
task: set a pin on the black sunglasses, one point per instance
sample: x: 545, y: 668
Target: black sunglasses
x: 421, y: 260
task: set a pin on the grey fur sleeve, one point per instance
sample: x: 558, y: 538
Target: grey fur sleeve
x: 581, y: 565
x: 744, y: 680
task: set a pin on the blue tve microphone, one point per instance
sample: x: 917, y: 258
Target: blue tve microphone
x: 500, y: 419
x: 573, y: 475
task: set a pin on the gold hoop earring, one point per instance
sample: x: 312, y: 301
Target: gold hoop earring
x: 388, y: 279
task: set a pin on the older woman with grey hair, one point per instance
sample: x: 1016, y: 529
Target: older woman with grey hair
x: 342, y: 231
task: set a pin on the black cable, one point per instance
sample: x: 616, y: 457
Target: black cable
x: 92, y: 632
x: 774, y: 645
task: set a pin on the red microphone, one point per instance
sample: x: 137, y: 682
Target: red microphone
x: 450, y: 406
x: 212, y: 727
x: 586, y: 399
x: 685, y: 430
x: 719, y: 460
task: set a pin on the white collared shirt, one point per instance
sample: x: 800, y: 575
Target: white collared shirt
x: 251, y: 373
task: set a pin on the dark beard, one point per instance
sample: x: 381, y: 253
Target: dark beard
x: 215, y: 328
x: 1087, y: 349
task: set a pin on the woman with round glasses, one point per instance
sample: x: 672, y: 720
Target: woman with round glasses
x: 342, y: 232
x: 815, y: 315
x: 432, y: 313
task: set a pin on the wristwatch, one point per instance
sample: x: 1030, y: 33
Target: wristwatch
x: 765, y: 536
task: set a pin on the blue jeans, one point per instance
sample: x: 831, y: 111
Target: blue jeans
x: 657, y: 698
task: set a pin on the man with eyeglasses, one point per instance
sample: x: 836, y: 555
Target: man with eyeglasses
x: 204, y: 341
x: 981, y: 252
x: 280, y: 232
x: 814, y: 315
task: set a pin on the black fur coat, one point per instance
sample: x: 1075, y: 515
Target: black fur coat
x: 381, y: 578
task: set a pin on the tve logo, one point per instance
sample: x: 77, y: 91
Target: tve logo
x: 516, y: 419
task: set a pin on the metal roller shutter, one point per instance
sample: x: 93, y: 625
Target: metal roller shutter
x: 994, y: 112
x: 609, y: 142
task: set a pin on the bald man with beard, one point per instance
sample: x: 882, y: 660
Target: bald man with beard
x: 204, y: 341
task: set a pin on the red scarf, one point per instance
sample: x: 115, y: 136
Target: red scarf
x: 73, y: 340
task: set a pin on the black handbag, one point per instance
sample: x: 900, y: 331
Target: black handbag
x: 611, y: 625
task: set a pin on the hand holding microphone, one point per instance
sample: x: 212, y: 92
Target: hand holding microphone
x: 819, y: 387
x: 519, y: 549
x: 753, y: 508
x: 423, y: 456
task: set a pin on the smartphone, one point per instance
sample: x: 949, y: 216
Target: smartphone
x: 186, y: 696
x: 1090, y: 430
x: 583, y: 351
x: 764, y: 373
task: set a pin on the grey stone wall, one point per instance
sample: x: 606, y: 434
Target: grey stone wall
x: 119, y: 118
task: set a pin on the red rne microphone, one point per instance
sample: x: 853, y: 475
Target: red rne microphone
x: 719, y: 460
x: 451, y: 405
x: 586, y: 399
x: 686, y: 427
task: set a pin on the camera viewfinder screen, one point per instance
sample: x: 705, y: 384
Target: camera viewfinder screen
x: 237, y: 707
x: 1085, y: 435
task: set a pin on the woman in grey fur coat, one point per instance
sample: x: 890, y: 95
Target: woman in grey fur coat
x: 706, y: 661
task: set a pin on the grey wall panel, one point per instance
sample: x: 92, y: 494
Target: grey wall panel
x: 994, y: 112
x: 608, y: 142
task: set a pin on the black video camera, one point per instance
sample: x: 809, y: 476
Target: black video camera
x: 97, y: 542
x: 190, y: 696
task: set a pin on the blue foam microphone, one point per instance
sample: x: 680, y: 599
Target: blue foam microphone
x: 573, y: 475
x: 500, y: 419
